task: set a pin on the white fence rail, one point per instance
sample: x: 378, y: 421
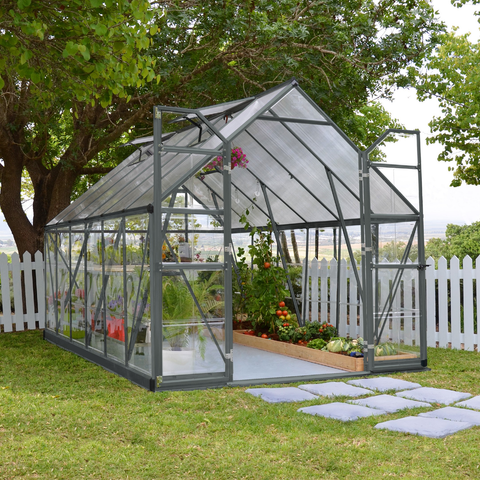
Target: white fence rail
x: 14, y: 302
x: 452, y: 295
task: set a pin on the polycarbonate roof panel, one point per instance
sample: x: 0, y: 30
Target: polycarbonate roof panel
x: 293, y: 160
x: 294, y: 166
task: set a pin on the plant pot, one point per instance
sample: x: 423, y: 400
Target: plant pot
x: 178, y: 362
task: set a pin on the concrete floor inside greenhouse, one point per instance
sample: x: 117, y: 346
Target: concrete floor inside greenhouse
x: 251, y: 364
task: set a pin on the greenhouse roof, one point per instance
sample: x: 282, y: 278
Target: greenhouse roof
x: 307, y: 165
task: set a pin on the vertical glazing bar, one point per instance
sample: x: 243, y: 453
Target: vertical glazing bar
x: 103, y: 303
x: 305, y: 285
x: 125, y: 293
x: 339, y: 259
x: 228, y: 247
x: 85, y: 286
x: 70, y: 276
x: 56, y: 296
x: 156, y: 242
x: 421, y: 261
x: 367, y: 266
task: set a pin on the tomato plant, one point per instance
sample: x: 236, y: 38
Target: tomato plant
x: 262, y: 285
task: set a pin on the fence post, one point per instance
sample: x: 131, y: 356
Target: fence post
x: 442, y: 276
x: 431, y: 308
x: 468, y: 319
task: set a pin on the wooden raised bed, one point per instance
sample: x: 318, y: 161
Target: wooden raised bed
x: 342, y: 362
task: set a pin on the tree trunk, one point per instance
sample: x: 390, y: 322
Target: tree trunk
x: 295, y: 246
x: 283, y: 241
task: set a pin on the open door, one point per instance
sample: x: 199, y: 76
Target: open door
x: 393, y: 255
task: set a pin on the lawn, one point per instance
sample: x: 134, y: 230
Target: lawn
x: 64, y: 418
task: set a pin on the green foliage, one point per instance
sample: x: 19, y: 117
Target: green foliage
x: 263, y: 286
x: 79, y: 78
x: 460, y: 241
x: 453, y: 79
x: 393, y: 250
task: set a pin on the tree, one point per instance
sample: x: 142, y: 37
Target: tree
x: 80, y: 78
x: 460, y: 241
x: 453, y: 78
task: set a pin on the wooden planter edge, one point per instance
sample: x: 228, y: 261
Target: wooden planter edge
x: 342, y: 362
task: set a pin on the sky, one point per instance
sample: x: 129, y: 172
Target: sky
x: 442, y: 204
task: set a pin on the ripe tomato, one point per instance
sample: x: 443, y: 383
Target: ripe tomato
x: 279, y: 313
x: 286, y: 324
x: 281, y: 304
x: 266, y: 265
x: 284, y: 313
x: 264, y: 335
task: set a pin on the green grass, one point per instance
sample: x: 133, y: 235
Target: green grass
x: 64, y: 418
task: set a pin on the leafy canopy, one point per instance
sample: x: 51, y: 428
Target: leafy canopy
x: 453, y: 79
x: 86, y: 50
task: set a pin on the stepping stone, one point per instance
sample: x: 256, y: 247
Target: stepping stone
x: 425, y: 427
x: 455, y: 415
x: 389, y: 403
x: 341, y: 411
x: 281, y: 395
x: 434, y: 395
x: 473, y: 403
x: 335, y: 389
x: 382, y: 384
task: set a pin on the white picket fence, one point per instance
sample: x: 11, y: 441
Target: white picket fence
x: 451, y: 299
x: 451, y: 302
x: 13, y: 306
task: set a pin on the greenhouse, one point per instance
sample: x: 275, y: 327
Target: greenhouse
x: 235, y: 238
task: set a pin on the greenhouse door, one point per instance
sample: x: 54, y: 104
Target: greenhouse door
x: 192, y: 280
x: 394, y: 254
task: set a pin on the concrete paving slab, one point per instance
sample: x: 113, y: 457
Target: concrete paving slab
x: 281, y: 395
x: 389, y: 403
x: 425, y: 427
x: 341, y: 411
x: 383, y: 384
x: 473, y: 403
x: 335, y: 389
x: 455, y: 414
x: 434, y: 395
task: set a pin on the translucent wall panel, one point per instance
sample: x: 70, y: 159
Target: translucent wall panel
x: 393, y: 240
x: 396, y: 315
x: 193, y: 322
x: 93, y: 288
x: 193, y: 238
x: 63, y: 281
x: 295, y: 105
x: 51, y: 280
x: 78, y: 312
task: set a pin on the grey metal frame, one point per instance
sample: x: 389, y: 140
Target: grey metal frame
x: 156, y: 235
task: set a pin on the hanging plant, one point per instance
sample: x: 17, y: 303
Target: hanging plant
x: 239, y: 159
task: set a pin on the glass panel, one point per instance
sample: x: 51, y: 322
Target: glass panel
x: 78, y: 316
x: 115, y: 319
x: 93, y: 288
x: 398, y: 149
x: 392, y: 241
x: 50, y: 278
x: 189, y: 345
x: 397, y: 317
x: 138, y: 292
x: 63, y: 276
x: 192, y: 238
